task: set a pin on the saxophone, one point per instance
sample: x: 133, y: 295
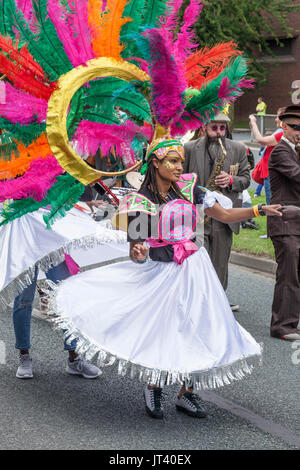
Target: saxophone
x: 218, y: 167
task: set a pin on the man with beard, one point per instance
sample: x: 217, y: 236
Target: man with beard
x: 200, y: 157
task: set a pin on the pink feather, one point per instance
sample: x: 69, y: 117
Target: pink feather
x: 90, y: 135
x: 186, y: 39
x: 26, y: 8
x: 168, y: 82
x: 142, y: 62
x: 39, y: 178
x: 170, y: 20
x: 224, y: 88
x: 20, y: 107
x: 246, y: 83
x: 58, y: 15
x: 182, y: 126
x: 78, y: 20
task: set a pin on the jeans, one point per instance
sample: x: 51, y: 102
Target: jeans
x: 258, y: 189
x: 23, y: 305
x: 267, y: 189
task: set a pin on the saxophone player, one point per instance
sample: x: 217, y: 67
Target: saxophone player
x: 223, y: 167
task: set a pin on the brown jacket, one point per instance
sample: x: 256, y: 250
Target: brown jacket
x: 284, y: 171
x: 236, y: 163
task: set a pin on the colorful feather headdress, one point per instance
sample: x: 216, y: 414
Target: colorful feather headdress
x: 86, y: 74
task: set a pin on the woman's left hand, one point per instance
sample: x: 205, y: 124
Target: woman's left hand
x: 272, y: 210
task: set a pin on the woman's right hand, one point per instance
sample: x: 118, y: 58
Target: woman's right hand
x: 138, y: 251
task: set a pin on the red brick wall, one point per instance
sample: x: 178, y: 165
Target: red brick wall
x: 278, y: 90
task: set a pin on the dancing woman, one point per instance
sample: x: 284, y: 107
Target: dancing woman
x: 165, y: 317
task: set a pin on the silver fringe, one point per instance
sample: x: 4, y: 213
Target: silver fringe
x: 200, y: 380
x: 25, y: 279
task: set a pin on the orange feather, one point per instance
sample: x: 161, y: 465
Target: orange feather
x: 19, y: 165
x: 207, y: 63
x: 106, y: 28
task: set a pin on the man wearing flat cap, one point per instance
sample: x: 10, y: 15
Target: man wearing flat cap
x: 284, y: 170
x: 230, y: 178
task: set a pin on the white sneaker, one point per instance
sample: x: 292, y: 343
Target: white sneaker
x: 189, y: 403
x: 81, y: 367
x: 153, y: 398
x: 25, y: 368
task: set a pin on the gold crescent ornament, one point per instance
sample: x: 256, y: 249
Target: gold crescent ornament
x: 58, y: 106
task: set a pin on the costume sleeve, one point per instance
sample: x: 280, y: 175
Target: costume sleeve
x: 243, y: 179
x: 211, y: 197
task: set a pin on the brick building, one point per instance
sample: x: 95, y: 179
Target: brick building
x: 278, y: 91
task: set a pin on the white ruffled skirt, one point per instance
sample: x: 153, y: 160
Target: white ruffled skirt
x: 163, y: 322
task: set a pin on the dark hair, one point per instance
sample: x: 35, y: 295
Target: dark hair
x: 150, y: 182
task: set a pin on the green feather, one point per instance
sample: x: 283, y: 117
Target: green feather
x: 106, y: 94
x: 5, y: 24
x: 22, y: 133
x: 75, y: 113
x: 134, y: 10
x: 207, y: 101
x: 45, y: 47
x: 64, y: 184
x: 48, y: 40
x: 99, y: 116
x: 153, y: 11
x: 63, y: 203
x: 6, y: 150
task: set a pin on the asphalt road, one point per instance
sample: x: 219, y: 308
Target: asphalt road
x: 58, y: 411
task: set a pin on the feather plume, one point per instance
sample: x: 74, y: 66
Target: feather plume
x: 90, y: 135
x: 94, y: 21
x: 35, y: 42
x: 24, y: 81
x: 63, y: 201
x: 20, y: 207
x: 107, y: 93
x: 47, y: 39
x: 18, y: 165
x: 205, y: 65
x: 170, y: 20
x: 40, y: 176
x: 57, y: 14
x: 186, y: 38
x: 78, y: 20
x: 134, y: 10
x: 106, y: 37
x: 153, y: 11
x: 22, y: 56
x: 21, y: 107
x: 168, y: 84
x: 213, y: 96
x: 26, y: 8
x: 23, y: 134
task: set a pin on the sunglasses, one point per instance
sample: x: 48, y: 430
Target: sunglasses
x: 215, y: 127
x: 296, y: 127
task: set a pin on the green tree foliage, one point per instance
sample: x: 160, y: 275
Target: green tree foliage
x: 250, y: 23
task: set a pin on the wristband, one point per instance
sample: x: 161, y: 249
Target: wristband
x: 231, y: 180
x: 255, y: 210
x: 142, y: 261
x: 260, y: 209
